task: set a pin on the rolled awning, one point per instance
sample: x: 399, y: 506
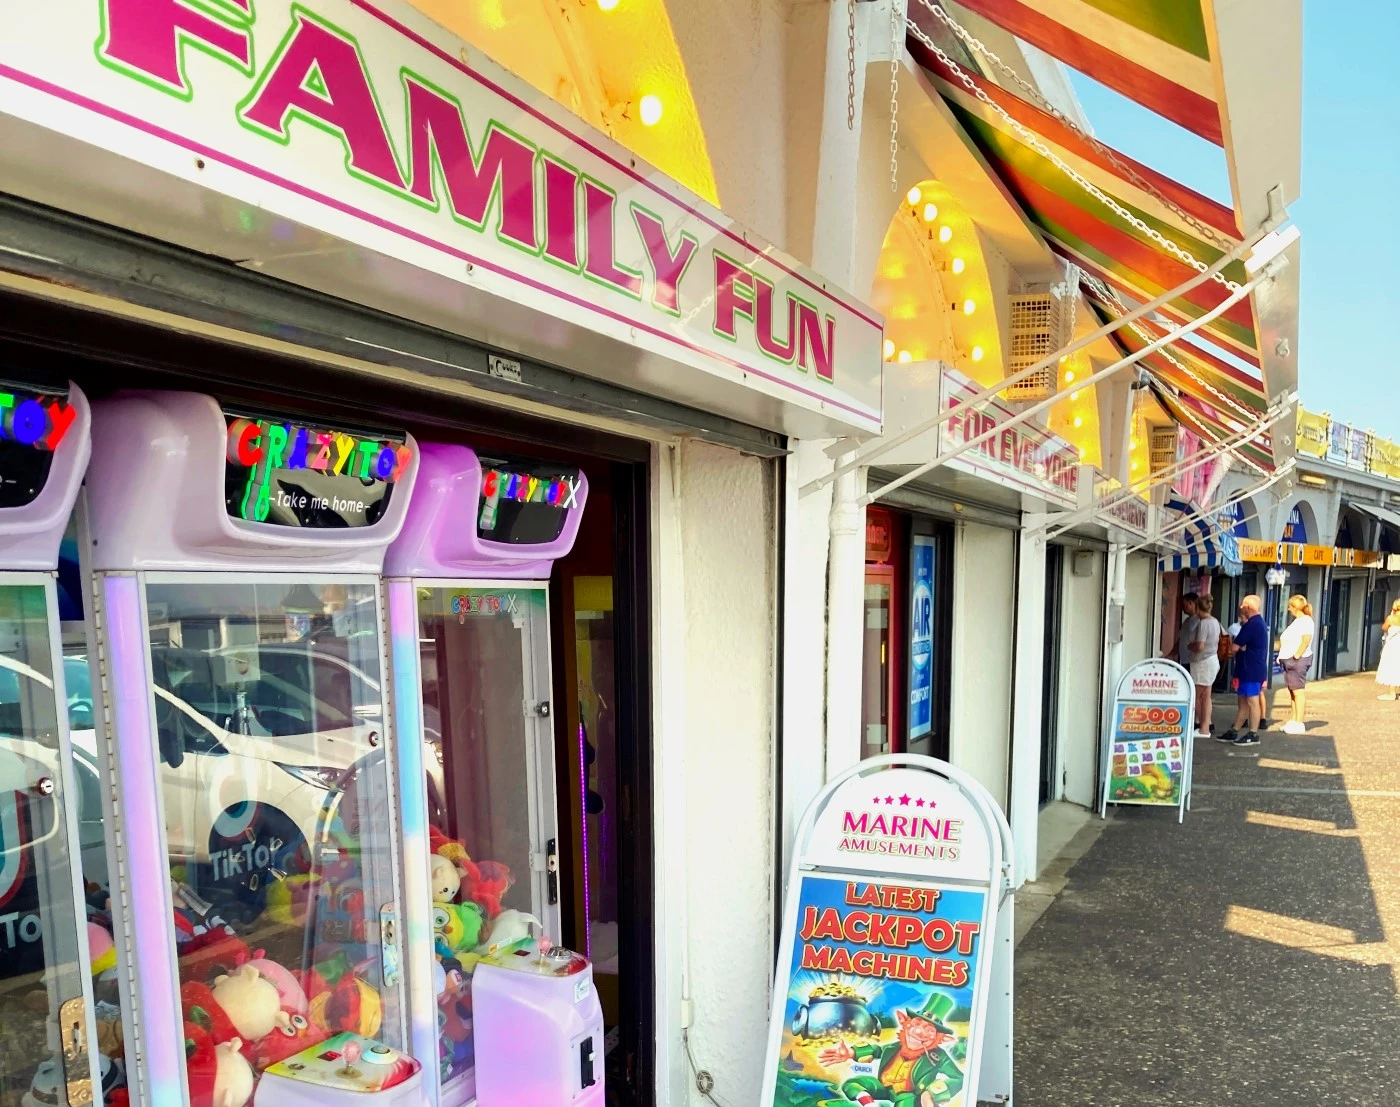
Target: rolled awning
x: 1207, y: 546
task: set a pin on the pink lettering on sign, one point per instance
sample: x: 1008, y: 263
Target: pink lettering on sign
x: 149, y: 38
x: 318, y: 75
x: 1029, y: 454
x: 503, y: 171
x: 667, y: 266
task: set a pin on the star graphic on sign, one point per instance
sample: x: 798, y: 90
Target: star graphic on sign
x: 889, y: 800
x: 876, y: 801
x: 904, y: 800
x: 919, y: 802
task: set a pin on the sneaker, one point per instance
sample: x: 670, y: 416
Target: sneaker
x: 1227, y: 735
x: 1248, y: 738
x: 1264, y: 724
x: 1293, y: 726
x: 1202, y: 734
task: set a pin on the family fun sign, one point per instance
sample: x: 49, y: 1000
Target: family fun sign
x: 363, y: 120
x: 894, y: 977
x: 1151, y: 742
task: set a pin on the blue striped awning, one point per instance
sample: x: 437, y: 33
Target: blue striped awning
x: 1207, y: 546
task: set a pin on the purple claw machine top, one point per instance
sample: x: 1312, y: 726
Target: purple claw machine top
x: 236, y: 556
x: 469, y: 627
x: 490, y: 518
x: 44, y: 965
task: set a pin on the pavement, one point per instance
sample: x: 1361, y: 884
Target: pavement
x: 1248, y: 956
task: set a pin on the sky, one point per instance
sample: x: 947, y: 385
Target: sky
x: 1351, y: 182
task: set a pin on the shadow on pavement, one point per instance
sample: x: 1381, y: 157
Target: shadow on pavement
x: 1241, y: 957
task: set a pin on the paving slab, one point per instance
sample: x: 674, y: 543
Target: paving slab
x: 1248, y: 956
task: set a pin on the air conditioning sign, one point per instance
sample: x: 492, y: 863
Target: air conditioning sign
x: 363, y: 121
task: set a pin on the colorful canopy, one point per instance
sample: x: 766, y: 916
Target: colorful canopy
x: 1156, y: 52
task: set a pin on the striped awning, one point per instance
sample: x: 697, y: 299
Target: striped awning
x: 1156, y: 52
x: 1207, y: 546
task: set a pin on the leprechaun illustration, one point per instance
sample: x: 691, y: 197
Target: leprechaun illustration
x: 915, y: 1070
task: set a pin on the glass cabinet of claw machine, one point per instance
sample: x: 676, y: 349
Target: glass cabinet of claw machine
x: 468, y: 604
x: 235, y: 559
x: 44, y: 981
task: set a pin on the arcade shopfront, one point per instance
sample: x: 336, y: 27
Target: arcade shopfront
x: 344, y: 467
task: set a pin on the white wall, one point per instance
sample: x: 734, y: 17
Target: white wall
x: 1139, y: 609
x: 1081, y: 674
x: 715, y: 635
x: 984, y: 573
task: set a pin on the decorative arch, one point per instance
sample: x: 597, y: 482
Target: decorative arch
x: 934, y: 286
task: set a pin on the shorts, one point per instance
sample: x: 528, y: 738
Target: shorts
x: 1248, y: 688
x: 1295, y: 672
x: 1205, y: 671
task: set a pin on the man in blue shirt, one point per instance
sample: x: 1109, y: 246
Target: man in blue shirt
x: 1251, y: 651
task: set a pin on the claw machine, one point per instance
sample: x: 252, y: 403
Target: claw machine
x: 501, y: 1015
x: 235, y: 559
x: 45, y: 989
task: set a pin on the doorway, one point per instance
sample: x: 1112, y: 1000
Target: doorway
x: 1050, y: 676
x: 603, y: 761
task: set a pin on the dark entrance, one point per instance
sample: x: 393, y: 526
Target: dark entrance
x: 1050, y: 678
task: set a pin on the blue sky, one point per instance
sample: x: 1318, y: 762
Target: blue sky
x: 1351, y: 179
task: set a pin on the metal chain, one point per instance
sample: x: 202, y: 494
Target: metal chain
x: 1037, y: 97
x: 850, y: 65
x: 1224, y: 397
x: 896, y: 50
x: 1031, y: 139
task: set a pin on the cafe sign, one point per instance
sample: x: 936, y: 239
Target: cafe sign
x: 367, y: 122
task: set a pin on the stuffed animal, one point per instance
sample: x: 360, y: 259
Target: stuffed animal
x: 509, y: 931
x: 290, y: 992
x: 288, y: 900
x: 201, y: 1064
x: 233, y: 1076
x: 101, y: 949
x: 457, y: 927
x: 350, y: 1005
x: 444, y: 877
x: 286, y: 1040
x: 201, y: 1008
x: 210, y: 954
x: 485, y: 883
x: 252, y: 1003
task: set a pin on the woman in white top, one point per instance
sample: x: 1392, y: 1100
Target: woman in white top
x: 1295, y: 654
x: 1205, y: 661
x: 1388, y: 671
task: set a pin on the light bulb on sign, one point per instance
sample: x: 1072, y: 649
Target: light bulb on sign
x: 1074, y: 395
x: 945, y: 232
x: 978, y: 353
x: 651, y: 110
x: 607, y: 5
x: 1137, y: 464
x: 914, y: 195
x: 889, y: 349
x: 1083, y: 453
x: 1069, y: 376
x: 930, y: 212
x: 905, y: 357
x: 1078, y: 421
x: 969, y: 306
x: 958, y: 265
x: 1133, y: 445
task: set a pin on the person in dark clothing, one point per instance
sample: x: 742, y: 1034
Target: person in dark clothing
x: 1251, y: 672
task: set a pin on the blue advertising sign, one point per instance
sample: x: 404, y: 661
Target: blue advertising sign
x: 921, y: 637
x: 1296, y: 529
